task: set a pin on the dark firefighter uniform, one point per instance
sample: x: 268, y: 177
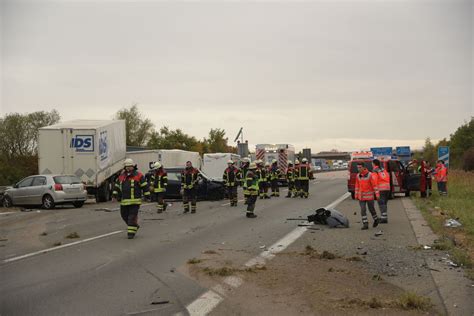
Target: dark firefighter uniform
x: 231, y: 180
x: 274, y: 176
x: 159, y: 180
x: 296, y: 176
x: 261, y: 173
x: 252, y: 181
x: 303, y: 177
x: 243, y: 174
x: 189, y: 178
x: 290, y: 178
x: 129, y: 189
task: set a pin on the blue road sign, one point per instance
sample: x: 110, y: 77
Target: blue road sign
x: 403, y: 151
x: 381, y: 151
x: 443, y: 154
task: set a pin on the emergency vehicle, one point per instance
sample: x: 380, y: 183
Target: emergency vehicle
x: 281, y: 152
x: 401, y: 180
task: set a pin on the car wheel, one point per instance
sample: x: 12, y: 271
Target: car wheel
x: 7, y: 201
x: 48, y: 202
x: 78, y: 204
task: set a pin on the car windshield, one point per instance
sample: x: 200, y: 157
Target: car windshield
x: 66, y: 180
x: 367, y: 163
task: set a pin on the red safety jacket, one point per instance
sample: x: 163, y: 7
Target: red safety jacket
x: 366, y: 186
x: 383, y: 179
x: 441, y: 173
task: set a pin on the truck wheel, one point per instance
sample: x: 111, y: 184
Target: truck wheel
x: 48, y: 202
x: 353, y: 196
x: 7, y: 201
x: 103, y: 192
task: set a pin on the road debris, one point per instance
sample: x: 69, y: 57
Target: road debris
x: 426, y: 247
x: 160, y: 302
x: 105, y: 209
x: 379, y: 233
x: 452, y: 223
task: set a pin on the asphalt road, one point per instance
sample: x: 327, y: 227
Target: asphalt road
x: 116, y: 276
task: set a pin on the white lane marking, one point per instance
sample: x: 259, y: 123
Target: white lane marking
x: 60, y: 247
x: 6, y: 213
x: 204, y: 304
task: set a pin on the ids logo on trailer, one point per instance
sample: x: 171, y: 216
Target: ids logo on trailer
x: 83, y: 143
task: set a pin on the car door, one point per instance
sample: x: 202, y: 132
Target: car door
x: 174, y: 184
x: 20, y: 193
x: 37, y: 190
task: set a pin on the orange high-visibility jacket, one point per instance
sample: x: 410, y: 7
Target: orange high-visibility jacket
x: 441, y: 173
x: 383, y: 179
x: 366, y: 186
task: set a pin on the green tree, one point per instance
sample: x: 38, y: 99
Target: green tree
x: 138, y: 129
x: 460, y: 142
x: 429, y: 151
x: 171, y: 139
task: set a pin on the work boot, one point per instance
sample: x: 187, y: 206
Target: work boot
x: 365, y: 226
x: 384, y: 221
x: 376, y: 223
x: 131, y: 236
x: 186, y: 211
x: 251, y: 215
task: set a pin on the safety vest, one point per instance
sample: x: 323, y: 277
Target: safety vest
x: 274, y: 173
x: 160, y: 181
x: 231, y: 176
x: 189, y: 178
x: 441, y: 173
x: 383, y: 179
x: 252, y: 183
x: 130, y: 186
x: 303, y: 172
x: 366, y: 187
x: 245, y: 170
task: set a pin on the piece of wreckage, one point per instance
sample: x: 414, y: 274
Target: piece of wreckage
x: 323, y: 216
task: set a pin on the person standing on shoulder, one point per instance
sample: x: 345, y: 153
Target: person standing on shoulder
x: 366, y: 191
x: 274, y: 176
x: 296, y: 176
x: 290, y: 179
x: 441, y: 176
x: 383, y: 184
x: 130, y: 187
x: 189, y: 179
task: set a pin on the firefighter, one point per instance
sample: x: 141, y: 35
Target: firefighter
x: 274, y: 176
x: 303, y: 176
x: 383, y: 185
x: 441, y: 177
x: 130, y: 187
x: 244, y: 169
x: 297, y: 178
x: 189, y: 179
x: 159, y: 180
x: 231, y: 180
x: 266, y: 186
x: 262, y: 178
x: 252, y: 181
x: 290, y: 172
x: 365, y: 191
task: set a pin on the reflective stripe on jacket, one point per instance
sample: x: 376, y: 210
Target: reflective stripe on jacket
x: 252, y: 183
x: 303, y: 172
x: 383, y: 179
x: 130, y: 187
x: 189, y: 178
x: 231, y: 176
x: 441, y: 174
x: 366, y: 187
x: 160, y: 181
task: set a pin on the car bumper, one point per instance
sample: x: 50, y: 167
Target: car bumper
x: 63, y: 197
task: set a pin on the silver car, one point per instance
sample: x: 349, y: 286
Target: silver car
x: 47, y: 191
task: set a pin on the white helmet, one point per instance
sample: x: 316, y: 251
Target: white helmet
x: 157, y: 165
x: 230, y: 162
x: 304, y: 160
x: 245, y: 159
x: 128, y: 162
x: 297, y: 161
x: 253, y: 166
x: 267, y: 164
x: 274, y: 161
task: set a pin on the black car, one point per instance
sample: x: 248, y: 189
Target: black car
x: 207, y: 188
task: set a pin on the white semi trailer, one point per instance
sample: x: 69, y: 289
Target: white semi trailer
x: 93, y: 150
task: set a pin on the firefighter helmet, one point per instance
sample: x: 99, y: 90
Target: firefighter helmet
x: 128, y: 162
x: 304, y: 160
x: 290, y: 163
x: 274, y: 161
x: 230, y: 162
x: 297, y: 161
x: 245, y: 159
x: 267, y: 164
x: 253, y: 165
x: 157, y: 165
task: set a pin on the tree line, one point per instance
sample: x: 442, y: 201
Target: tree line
x: 19, y: 139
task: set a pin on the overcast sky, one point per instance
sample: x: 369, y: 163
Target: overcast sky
x: 320, y: 74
